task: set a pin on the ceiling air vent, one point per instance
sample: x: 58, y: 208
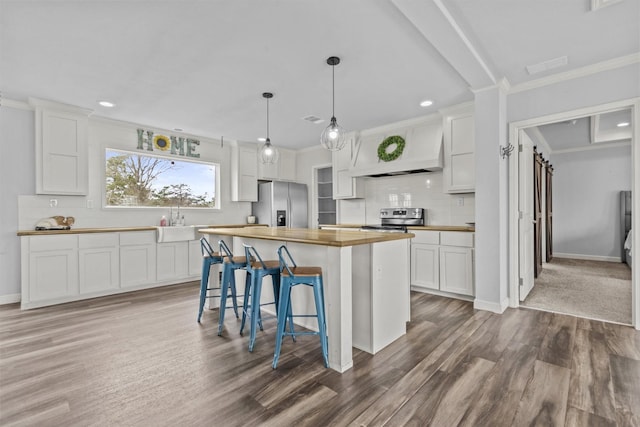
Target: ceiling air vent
x: 547, y: 65
x: 313, y: 119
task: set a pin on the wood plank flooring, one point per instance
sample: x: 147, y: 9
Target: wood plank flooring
x: 141, y: 359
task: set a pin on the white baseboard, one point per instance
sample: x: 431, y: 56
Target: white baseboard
x: 491, y: 306
x: 588, y: 257
x: 9, y: 299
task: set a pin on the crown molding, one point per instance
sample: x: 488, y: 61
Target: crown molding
x: 540, y: 139
x: 599, y: 146
x: 502, y: 84
x: 588, y: 70
x: 18, y: 105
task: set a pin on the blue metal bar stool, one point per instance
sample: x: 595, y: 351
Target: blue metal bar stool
x: 209, y: 258
x: 290, y: 276
x: 230, y: 264
x: 259, y: 269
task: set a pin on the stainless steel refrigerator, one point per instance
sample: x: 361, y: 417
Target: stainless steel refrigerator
x: 281, y: 204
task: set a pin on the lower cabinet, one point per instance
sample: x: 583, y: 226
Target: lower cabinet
x: 442, y: 261
x: 172, y: 260
x: 52, y: 269
x: 98, y: 262
x: 137, y: 258
x: 67, y: 267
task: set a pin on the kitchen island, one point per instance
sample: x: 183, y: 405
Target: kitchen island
x: 366, y: 282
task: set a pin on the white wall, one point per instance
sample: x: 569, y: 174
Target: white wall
x: 21, y: 208
x: 422, y: 190
x: 17, y: 176
x: 586, y: 201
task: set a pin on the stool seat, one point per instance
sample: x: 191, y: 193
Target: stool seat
x: 303, y: 271
x: 235, y: 260
x: 271, y: 264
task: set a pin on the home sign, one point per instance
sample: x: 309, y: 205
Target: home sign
x: 177, y: 146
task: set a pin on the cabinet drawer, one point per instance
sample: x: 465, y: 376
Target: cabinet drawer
x: 457, y: 238
x: 429, y: 237
x: 52, y: 243
x: 138, y: 238
x: 100, y: 240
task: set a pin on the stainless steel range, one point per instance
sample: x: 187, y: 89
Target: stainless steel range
x: 396, y: 220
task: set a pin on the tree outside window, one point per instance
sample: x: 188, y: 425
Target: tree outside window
x: 137, y: 180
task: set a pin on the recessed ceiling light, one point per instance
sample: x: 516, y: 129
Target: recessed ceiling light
x: 261, y: 139
x: 426, y: 103
x: 623, y: 124
x: 107, y: 104
x: 178, y: 129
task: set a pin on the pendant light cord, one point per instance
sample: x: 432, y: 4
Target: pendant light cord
x: 268, y: 119
x: 333, y: 91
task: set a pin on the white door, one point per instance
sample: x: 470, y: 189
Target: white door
x: 525, y: 206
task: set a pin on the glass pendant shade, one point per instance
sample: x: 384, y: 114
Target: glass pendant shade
x: 332, y: 137
x: 268, y: 153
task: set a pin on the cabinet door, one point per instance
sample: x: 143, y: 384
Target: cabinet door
x: 61, y: 152
x: 459, y: 171
x: 173, y: 260
x: 137, y: 265
x: 287, y: 165
x: 456, y: 270
x: 99, y: 269
x: 344, y: 185
x: 195, y: 258
x: 53, y: 267
x: 425, y: 267
x: 244, y: 171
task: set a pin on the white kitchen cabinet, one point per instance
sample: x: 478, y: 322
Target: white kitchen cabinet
x: 172, y: 260
x: 137, y: 258
x: 283, y: 170
x: 344, y: 185
x: 52, y: 271
x: 425, y: 266
x: 244, y: 172
x: 442, y: 261
x: 98, y: 262
x: 195, y: 258
x: 61, y: 148
x: 459, y: 171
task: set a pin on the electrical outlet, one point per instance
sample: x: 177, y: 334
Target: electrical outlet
x: 53, y: 203
x: 460, y: 201
x: 89, y: 204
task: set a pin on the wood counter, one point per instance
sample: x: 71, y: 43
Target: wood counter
x: 120, y: 229
x: 338, y: 238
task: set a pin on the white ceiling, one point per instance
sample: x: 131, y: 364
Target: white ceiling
x: 203, y: 65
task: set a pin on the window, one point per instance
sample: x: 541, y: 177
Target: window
x: 142, y: 180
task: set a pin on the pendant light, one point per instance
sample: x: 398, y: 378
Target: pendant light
x: 332, y: 137
x: 268, y: 153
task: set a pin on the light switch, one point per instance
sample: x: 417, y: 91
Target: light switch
x: 460, y: 201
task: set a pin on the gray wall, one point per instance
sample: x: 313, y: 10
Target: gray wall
x: 17, y: 176
x: 586, y: 206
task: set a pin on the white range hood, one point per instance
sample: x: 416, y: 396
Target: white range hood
x: 422, y: 151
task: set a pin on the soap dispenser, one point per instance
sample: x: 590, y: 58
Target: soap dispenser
x: 163, y: 221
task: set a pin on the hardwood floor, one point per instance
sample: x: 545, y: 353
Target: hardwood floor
x: 141, y: 359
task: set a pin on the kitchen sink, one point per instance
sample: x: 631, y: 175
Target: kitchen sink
x: 176, y: 233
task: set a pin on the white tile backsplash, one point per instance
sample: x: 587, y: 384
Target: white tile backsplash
x: 417, y: 190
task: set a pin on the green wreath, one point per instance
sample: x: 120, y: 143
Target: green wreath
x: 389, y: 141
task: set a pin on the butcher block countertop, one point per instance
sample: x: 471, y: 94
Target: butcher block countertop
x: 120, y: 229
x: 412, y: 227
x: 311, y: 236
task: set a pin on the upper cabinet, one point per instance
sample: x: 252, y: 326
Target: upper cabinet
x: 459, y: 171
x: 61, y: 148
x: 344, y: 185
x: 283, y: 170
x: 244, y: 172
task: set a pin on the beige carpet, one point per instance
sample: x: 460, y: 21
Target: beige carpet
x: 593, y: 289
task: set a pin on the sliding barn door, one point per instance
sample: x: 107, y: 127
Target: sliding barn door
x: 537, y: 211
x: 549, y: 213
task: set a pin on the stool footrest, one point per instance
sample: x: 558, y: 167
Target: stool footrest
x: 295, y: 334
